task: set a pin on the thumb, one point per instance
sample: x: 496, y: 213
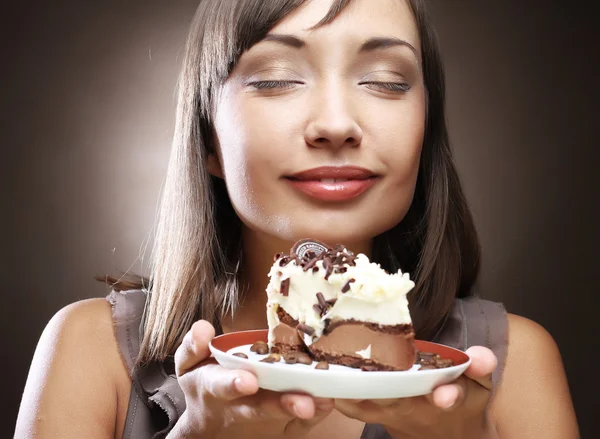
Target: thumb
x: 298, y: 428
x: 483, y: 363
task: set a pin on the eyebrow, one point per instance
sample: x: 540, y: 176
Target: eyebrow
x: 372, y: 44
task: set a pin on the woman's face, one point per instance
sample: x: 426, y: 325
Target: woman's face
x: 319, y: 132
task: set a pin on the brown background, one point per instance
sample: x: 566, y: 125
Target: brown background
x: 87, y: 115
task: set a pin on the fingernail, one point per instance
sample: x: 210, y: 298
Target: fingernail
x: 295, y: 410
x: 449, y: 404
x: 238, y: 384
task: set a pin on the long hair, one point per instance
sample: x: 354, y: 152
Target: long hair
x: 197, y: 248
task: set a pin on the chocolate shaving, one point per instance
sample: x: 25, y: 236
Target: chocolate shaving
x: 305, y: 328
x: 318, y: 309
x: 277, y: 256
x: 315, y: 269
x: 310, y: 254
x: 331, y: 302
x: 346, y: 286
x: 328, y: 272
x: 285, y: 287
x: 337, y: 257
x: 322, y: 301
x: 310, y: 264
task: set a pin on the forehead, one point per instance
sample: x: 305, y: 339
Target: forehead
x: 359, y: 20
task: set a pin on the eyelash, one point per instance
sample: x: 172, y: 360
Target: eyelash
x: 387, y: 86
x: 268, y: 85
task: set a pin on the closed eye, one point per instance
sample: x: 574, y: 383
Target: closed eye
x: 269, y: 85
x: 387, y: 86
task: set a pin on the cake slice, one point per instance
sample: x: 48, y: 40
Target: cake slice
x: 340, y: 308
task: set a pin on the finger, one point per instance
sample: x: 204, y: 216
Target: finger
x: 300, y: 406
x: 224, y: 384
x: 263, y: 406
x: 267, y: 405
x: 194, y: 347
x: 449, y: 396
x: 371, y: 411
x: 483, y: 363
x: 298, y: 428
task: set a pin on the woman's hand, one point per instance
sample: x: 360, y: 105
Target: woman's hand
x: 225, y: 403
x: 456, y: 410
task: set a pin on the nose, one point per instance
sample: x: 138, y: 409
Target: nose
x: 333, y: 123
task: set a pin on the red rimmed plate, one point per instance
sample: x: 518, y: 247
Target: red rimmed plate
x: 337, y: 381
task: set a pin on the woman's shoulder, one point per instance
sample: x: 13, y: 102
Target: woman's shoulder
x: 533, y: 382
x: 83, y: 323
x: 528, y: 341
x: 76, y: 371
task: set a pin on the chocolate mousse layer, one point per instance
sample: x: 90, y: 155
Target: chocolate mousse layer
x: 391, y: 347
x: 286, y: 339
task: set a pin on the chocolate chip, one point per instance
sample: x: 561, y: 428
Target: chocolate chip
x: 315, y: 269
x: 241, y: 355
x: 346, y: 286
x: 273, y: 358
x: 285, y: 287
x: 291, y: 358
x: 424, y: 357
x: 277, y: 256
x: 305, y: 328
x: 322, y: 365
x: 303, y: 358
x: 443, y: 363
x: 260, y: 347
x: 430, y: 360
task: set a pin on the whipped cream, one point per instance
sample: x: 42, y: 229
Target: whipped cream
x: 357, y: 290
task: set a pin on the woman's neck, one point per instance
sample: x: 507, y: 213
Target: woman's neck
x: 258, y: 252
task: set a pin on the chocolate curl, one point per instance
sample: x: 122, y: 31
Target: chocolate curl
x: 310, y: 264
x: 285, y: 287
x: 306, y: 329
x: 346, y: 286
x: 322, y: 301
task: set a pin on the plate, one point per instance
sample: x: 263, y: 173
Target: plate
x: 337, y: 381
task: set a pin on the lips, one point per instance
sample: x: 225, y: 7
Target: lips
x: 333, y: 183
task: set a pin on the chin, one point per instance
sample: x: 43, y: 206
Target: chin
x: 347, y: 233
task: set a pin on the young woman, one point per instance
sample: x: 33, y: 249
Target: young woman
x: 297, y: 119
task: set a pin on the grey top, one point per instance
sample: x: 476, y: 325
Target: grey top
x: 156, y: 401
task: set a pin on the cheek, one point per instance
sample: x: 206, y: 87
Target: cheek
x: 399, y: 138
x: 250, y: 159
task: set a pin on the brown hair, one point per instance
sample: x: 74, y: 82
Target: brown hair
x: 197, y: 248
